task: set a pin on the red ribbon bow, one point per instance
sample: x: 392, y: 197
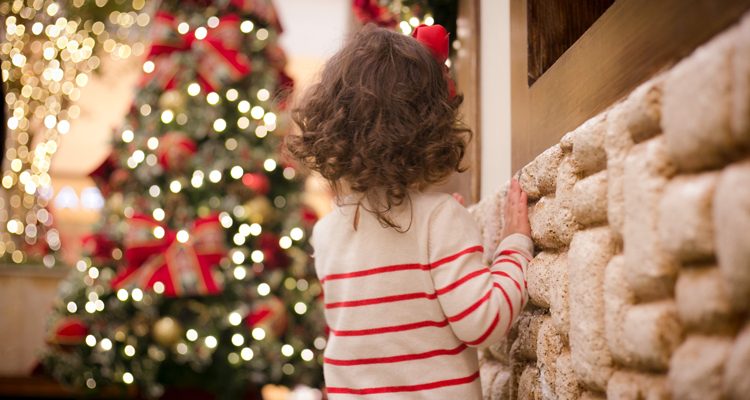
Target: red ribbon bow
x: 218, y: 59
x: 436, y: 39
x: 185, y: 269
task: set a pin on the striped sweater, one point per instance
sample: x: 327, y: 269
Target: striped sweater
x: 406, y: 309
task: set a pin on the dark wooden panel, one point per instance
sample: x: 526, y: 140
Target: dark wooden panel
x: 554, y: 25
x: 632, y: 41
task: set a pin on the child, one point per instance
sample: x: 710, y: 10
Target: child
x: 406, y: 293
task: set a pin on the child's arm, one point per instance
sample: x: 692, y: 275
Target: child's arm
x: 481, y: 303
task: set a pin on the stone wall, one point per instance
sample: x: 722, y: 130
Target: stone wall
x: 640, y: 285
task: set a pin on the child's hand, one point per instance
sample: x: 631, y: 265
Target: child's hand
x: 459, y: 198
x: 516, y: 218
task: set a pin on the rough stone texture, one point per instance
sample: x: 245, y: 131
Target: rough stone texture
x: 501, y: 386
x: 685, y: 225
x: 628, y: 385
x: 643, y: 110
x: 618, y: 298
x: 590, y: 199
x: 539, y: 177
x: 551, y: 218
x: 538, y: 276
x: 590, y: 395
x: 566, y: 381
x: 589, y: 254
x: 566, y: 143
x: 697, y: 105
x: 741, y: 84
x: 529, y: 385
x: 651, y: 271
x: 489, y: 216
x: 737, y: 368
x: 650, y: 333
x: 702, y: 301
x: 501, y: 351
x: 487, y: 375
x: 617, y: 142
x: 528, y: 330
x: 558, y: 296
x: 588, y: 145
x: 548, y: 348
x: 697, y: 368
x: 731, y: 210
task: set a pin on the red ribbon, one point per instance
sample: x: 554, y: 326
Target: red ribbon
x: 185, y: 269
x: 218, y: 59
x: 436, y: 39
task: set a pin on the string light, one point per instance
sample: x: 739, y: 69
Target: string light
x: 264, y: 289
x: 192, y: 335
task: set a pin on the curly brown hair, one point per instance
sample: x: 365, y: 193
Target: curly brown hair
x: 380, y: 121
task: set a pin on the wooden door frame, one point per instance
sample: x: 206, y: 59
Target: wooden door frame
x: 631, y: 42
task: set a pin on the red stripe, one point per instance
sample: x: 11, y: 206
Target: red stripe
x: 473, y: 307
x: 509, y: 252
x: 508, y: 260
x: 487, y: 333
x: 402, y: 267
x: 406, y: 357
x: 514, y: 281
x: 510, y: 306
x: 461, y: 281
x: 412, y: 388
x: 381, y: 300
x: 390, y: 329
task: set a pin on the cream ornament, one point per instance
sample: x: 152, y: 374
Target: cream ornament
x: 166, y: 331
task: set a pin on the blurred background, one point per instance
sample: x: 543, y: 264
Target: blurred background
x: 115, y: 114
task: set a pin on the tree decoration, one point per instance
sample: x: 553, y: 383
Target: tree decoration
x: 197, y: 273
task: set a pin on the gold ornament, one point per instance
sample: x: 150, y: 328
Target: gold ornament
x: 166, y: 331
x: 258, y: 210
x: 172, y: 100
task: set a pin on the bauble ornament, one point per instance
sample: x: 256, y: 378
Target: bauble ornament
x: 175, y: 150
x: 166, y: 331
x: 269, y: 314
x: 67, y: 333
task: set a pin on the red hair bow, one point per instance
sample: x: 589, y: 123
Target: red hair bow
x: 435, y: 38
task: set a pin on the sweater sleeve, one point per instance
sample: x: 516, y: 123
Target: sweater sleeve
x: 480, y: 303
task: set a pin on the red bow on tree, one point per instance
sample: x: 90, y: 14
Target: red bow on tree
x: 185, y: 268
x: 436, y: 39
x: 218, y: 59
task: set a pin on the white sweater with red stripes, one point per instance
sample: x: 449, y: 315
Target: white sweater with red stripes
x: 406, y: 309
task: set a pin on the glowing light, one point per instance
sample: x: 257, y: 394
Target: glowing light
x: 183, y: 236
x: 232, y: 94
x: 238, y: 257
x: 306, y: 354
x: 263, y: 94
x: 240, y: 272
x: 285, y: 242
x: 182, y: 348
x: 127, y: 378
x: 236, y: 172
x: 63, y: 127
x: 167, y: 116
x: 90, y: 307
x: 183, y: 28
x: 159, y: 232
x: 255, y: 229
x: 269, y: 118
x: 137, y: 294
x: 429, y: 21
x: 300, y: 308
x: 212, y: 98
x: 214, y: 176
x: 296, y: 233
x: 127, y: 136
x: 405, y: 27
x: 201, y: 33
x: 192, y: 335
x: 246, y: 354
x: 50, y: 121
x: 72, y: 307
x: 94, y: 272
x: 226, y: 220
x: 246, y: 26
x: 264, y: 289
x: 243, y: 106
x: 139, y: 156
x: 90, y: 383
x: 220, y: 125
x: 129, y: 351
x: 106, y: 344
x: 175, y: 187
x: 262, y: 34
x: 122, y: 294
x: 193, y: 89
x: 320, y: 343
x: 91, y: 340
x: 148, y: 67
x: 257, y: 112
x: 269, y: 165
x: 414, y: 21
x: 238, y: 340
x: 211, y: 342
x: 158, y: 287
x: 257, y: 256
x: 289, y: 173
x: 287, y: 350
x: 159, y: 214
x: 213, y: 22
x: 258, y: 334
x: 235, y: 319
x: 243, y: 122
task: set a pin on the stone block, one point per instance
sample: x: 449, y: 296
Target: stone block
x: 617, y: 143
x: 501, y: 386
x: 566, y: 143
x: 548, y: 348
x: 651, y: 271
x: 558, y: 296
x: 538, y: 178
x: 590, y: 251
x: 501, y: 351
x: 618, y: 298
x: 588, y: 145
x: 651, y: 332
x: 736, y: 383
x: 590, y: 199
x: 487, y: 374
x: 592, y: 395
x: 697, y: 106
x: 489, y: 216
x: 529, y: 385
x: 685, y: 225
x: 642, y: 110
x: 703, y: 303
x: 567, y: 386
x: 528, y: 331
x: 538, y: 276
x: 551, y: 218
x: 697, y: 368
x: 741, y: 83
x: 629, y: 385
x: 731, y: 211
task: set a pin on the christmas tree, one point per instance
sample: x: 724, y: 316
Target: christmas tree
x: 197, y: 274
